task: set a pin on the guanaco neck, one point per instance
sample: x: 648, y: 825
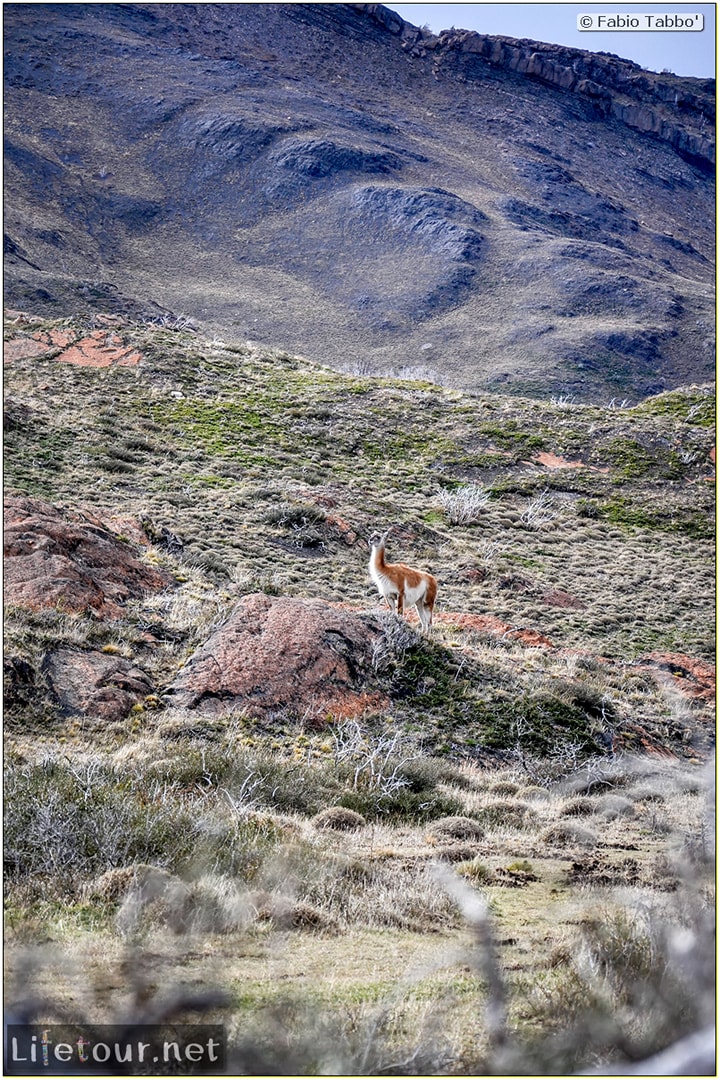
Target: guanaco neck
x: 378, y: 554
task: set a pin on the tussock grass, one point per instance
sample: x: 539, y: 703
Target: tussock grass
x: 579, y: 807
x: 456, y: 828
x: 338, y: 817
x: 569, y: 835
x: 599, y: 978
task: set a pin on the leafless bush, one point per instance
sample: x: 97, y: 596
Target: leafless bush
x: 565, y: 759
x: 539, y: 511
x: 168, y: 321
x: 397, y: 637
x: 463, y: 506
x: 376, y: 762
x: 487, y: 551
x: 567, y: 763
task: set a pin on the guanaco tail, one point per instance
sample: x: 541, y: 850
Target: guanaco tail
x: 400, y: 585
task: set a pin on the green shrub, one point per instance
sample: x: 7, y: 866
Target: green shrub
x: 423, y: 774
x: 401, y: 805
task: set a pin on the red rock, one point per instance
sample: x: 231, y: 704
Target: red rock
x: 58, y: 337
x: 282, y: 653
x: 559, y: 598
x: 472, y: 575
x: 489, y: 624
x: 695, y: 678
x: 69, y: 558
x: 100, y: 348
x: 22, y: 348
x: 342, y: 529
x: 91, y: 683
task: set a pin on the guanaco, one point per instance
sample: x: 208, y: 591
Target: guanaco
x: 400, y: 585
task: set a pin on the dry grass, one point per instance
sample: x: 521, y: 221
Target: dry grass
x: 357, y: 923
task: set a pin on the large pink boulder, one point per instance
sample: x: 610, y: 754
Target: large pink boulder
x: 305, y: 658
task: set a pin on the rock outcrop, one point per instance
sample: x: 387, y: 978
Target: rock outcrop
x: 99, y: 348
x: 658, y: 104
x: 92, y: 683
x: 283, y: 655
x: 694, y: 679
x: 69, y: 559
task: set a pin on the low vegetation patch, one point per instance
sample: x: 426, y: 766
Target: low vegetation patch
x: 600, y: 964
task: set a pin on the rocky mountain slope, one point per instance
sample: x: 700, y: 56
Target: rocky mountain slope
x: 330, y: 180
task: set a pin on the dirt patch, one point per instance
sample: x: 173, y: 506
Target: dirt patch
x: 597, y: 870
x: 559, y: 598
x: 554, y: 461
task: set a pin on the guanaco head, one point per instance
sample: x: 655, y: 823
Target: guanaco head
x: 377, y: 539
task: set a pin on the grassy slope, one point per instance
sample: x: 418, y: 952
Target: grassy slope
x: 250, y: 457
x: 226, y: 446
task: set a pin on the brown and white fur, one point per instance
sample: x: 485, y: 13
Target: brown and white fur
x: 400, y: 585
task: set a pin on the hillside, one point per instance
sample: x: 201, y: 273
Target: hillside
x: 239, y: 791
x: 240, y: 470
x: 332, y: 181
